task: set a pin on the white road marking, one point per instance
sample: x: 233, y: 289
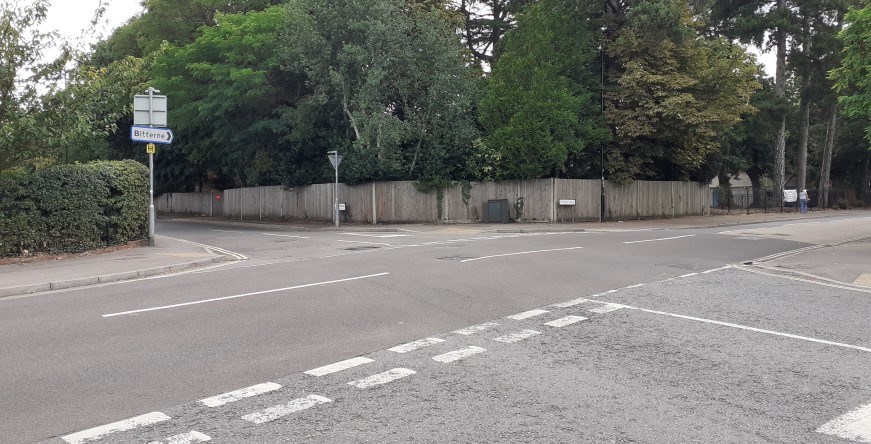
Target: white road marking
x: 521, y: 252
x: 571, y: 303
x: 687, y: 275
x: 527, y: 314
x: 415, y: 345
x: 237, y: 256
x: 186, y: 438
x: 515, y: 337
x: 284, y: 235
x: 476, y: 328
x: 362, y: 242
x: 295, y: 287
x: 568, y: 320
x: 455, y: 355
x: 236, y: 395
x: 634, y: 286
x: 377, y: 235
x: 742, y: 327
x: 854, y: 425
x: 120, y: 426
x: 382, y: 378
x: 338, y: 366
x: 717, y: 269
x: 607, y: 308
x: 278, y: 411
x: 656, y: 240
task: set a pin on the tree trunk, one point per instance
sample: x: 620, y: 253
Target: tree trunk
x: 801, y: 161
x: 825, y: 169
x: 866, y: 182
x: 780, y: 91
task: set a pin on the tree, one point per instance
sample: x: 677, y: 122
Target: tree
x: 542, y: 108
x: 853, y: 77
x: 485, y: 23
x: 227, y: 88
x: 396, y: 76
x: 675, y: 92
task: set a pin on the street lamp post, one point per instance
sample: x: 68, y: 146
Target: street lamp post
x: 335, y: 160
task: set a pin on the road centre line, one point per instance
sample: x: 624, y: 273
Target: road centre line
x: 295, y: 287
x: 120, y: 426
x: 415, y: 345
x: 363, y: 242
x: 338, y: 366
x: 520, y: 252
x: 456, y: 355
x: 382, y: 378
x: 741, y: 327
x: 284, y: 235
x: 236, y: 395
x: 854, y: 425
x: 661, y: 239
x: 278, y: 411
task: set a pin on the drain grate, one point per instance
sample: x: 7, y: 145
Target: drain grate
x: 364, y: 247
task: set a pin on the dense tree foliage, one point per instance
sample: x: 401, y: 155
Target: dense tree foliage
x: 439, y: 90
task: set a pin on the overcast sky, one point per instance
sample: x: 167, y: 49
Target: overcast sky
x: 70, y: 17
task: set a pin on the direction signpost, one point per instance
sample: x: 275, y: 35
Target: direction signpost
x: 149, y: 126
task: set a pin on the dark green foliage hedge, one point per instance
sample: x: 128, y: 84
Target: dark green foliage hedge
x: 72, y: 208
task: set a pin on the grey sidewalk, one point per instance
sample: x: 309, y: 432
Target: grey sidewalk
x: 170, y: 255
x: 167, y: 256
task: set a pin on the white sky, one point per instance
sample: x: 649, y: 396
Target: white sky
x: 70, y: 17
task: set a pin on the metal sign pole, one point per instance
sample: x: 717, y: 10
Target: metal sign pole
x: 151, y: 215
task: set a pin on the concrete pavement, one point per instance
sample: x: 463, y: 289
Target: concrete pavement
x: 174, y: 255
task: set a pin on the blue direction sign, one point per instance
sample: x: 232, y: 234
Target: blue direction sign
x: 151, y: 135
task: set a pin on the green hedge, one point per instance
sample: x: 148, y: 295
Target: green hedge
x: 73, y: 208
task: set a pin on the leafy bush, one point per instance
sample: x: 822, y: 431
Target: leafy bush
x: 72, y: 208
x: 842, y: 204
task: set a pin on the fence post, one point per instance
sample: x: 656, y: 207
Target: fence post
x: 374, y: 205
x: 553, y: 199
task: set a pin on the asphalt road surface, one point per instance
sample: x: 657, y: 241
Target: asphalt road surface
x: 452, y: 335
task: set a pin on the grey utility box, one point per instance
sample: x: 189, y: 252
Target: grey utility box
x: 497, y: 211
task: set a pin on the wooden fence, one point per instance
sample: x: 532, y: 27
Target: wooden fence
x: 397, y: 202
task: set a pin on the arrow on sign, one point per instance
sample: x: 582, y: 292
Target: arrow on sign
x: 151, y: 135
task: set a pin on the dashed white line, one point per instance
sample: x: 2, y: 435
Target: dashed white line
x: 186, y: 438
x: 519, y: 336
x: 284, y: 235
x: 520, y: 252
x: 661, y: 239
x: 455, y: 355
x: 854, y: 425
x: 571, y: 303
x: 527, y: 314
x: 295, y: 287
x: 476, y: 328
x: 607, y: 308
x: 278, y: 411
x: 634, y: 286
x: 382, y: 378
x: 687, y: 275
x: 338, y: 366
x: 236, y: 395
x: 120, y: 426
x: 562, y: 322
x: 362, y: 242
x: 415, y: 345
